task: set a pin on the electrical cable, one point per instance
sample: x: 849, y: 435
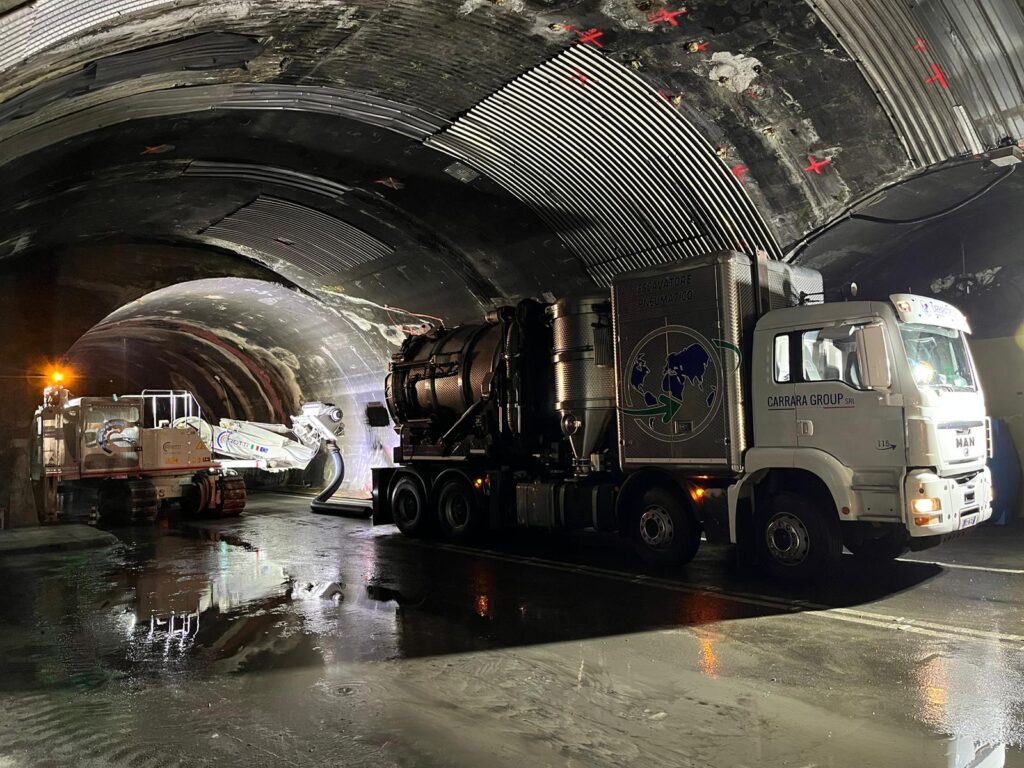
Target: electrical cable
x: 938, y: 214
x: 793, y: 250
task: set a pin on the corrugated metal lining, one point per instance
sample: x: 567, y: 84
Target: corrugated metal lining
x: 881, y: 36
x: 33, y: 28
x: 213, y: 50
x: 982, y: 43
x: 411, y: 121
x: 439, y: 54
x: 30, y: 134
x: 267, y: 175
x: 621, y: 176
x: 303, y: 237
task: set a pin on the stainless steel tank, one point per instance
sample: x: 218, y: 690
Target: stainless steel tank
x: 584, y: 374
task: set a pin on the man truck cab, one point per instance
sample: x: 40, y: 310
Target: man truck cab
x: 880, y: 402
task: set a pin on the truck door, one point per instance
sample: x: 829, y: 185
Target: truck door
x: 775, y: 414
x: 861, y: 428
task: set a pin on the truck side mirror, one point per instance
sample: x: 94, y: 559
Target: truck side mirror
x: 873, y: 357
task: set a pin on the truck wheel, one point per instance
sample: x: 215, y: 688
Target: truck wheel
x: 409, y: 506
x: 887, y: 547
x: 664, y: 531
x: 458, y: 509
x: 798, y: 541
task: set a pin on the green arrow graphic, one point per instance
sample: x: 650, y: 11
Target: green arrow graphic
x: 668, y: 408
x: 725, y: 345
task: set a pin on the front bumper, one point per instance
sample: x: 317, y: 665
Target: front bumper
x: 965, y: 501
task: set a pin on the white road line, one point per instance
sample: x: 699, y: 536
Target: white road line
x: 987, y: 569
x: 852, y: 615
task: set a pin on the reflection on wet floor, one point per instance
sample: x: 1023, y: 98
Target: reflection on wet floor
x: 314, y: 598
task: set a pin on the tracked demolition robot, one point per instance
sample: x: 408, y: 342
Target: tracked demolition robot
x: 130, y: 455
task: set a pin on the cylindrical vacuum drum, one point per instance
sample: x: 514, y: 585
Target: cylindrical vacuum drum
x: 584, y: 372
x: 442, y: 375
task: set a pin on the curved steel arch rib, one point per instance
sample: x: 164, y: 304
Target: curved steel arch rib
x: 623, y: 178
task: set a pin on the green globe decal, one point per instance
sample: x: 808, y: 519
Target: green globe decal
x: 671, y: 383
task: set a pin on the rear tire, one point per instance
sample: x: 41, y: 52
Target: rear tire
x: 459, y: 512
x: 409, y: 507
x: 663, y: 529
x: 799, y: 540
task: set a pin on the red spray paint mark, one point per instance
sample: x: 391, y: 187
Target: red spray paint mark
x: 740, y: 172
x: 663, y: 14
x: 390, y: 182
x: 816, y: 165
x: 700, y: 47
x: 937, y: 77
x: 920, y: 45
x: 580, y: 77
x: 592, y: 35
x: 159, y: 149
x: 752, y: 94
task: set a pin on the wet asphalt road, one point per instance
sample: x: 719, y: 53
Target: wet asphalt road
x: 289, y: 639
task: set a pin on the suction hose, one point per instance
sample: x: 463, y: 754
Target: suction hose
x: 322, y: 503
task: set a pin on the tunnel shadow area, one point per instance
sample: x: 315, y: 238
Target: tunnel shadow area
x: 531, y: 588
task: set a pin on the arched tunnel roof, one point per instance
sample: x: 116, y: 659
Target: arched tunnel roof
x: 609, y: 136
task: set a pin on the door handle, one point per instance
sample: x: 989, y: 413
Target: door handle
x: 805, y: 427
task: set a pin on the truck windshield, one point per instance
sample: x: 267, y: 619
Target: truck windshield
x: 938, y: 357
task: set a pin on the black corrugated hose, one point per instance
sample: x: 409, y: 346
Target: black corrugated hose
x: 322, y: 503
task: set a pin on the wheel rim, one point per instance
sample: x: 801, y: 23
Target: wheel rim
x: 455, y: 510
x: 787, y: 538
x: 656, y: 527
x: 406, y: 507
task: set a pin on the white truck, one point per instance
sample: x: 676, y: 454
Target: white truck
x: 717, y: 396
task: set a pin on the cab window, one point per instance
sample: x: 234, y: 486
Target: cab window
x: 828, y: 359
x: 781, y: 364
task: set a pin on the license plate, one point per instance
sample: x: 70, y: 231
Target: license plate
x: 968, y: 520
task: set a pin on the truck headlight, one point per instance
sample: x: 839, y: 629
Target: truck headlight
x: 926, y: 511
x: 924, y: 506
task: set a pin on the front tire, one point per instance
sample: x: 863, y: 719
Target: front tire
x: 663, y: 529
x: 799, y: 541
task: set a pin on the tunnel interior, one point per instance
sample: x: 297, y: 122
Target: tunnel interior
x: 256, y: 200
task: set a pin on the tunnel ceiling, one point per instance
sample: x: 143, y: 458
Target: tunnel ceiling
x: 420, y: 153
